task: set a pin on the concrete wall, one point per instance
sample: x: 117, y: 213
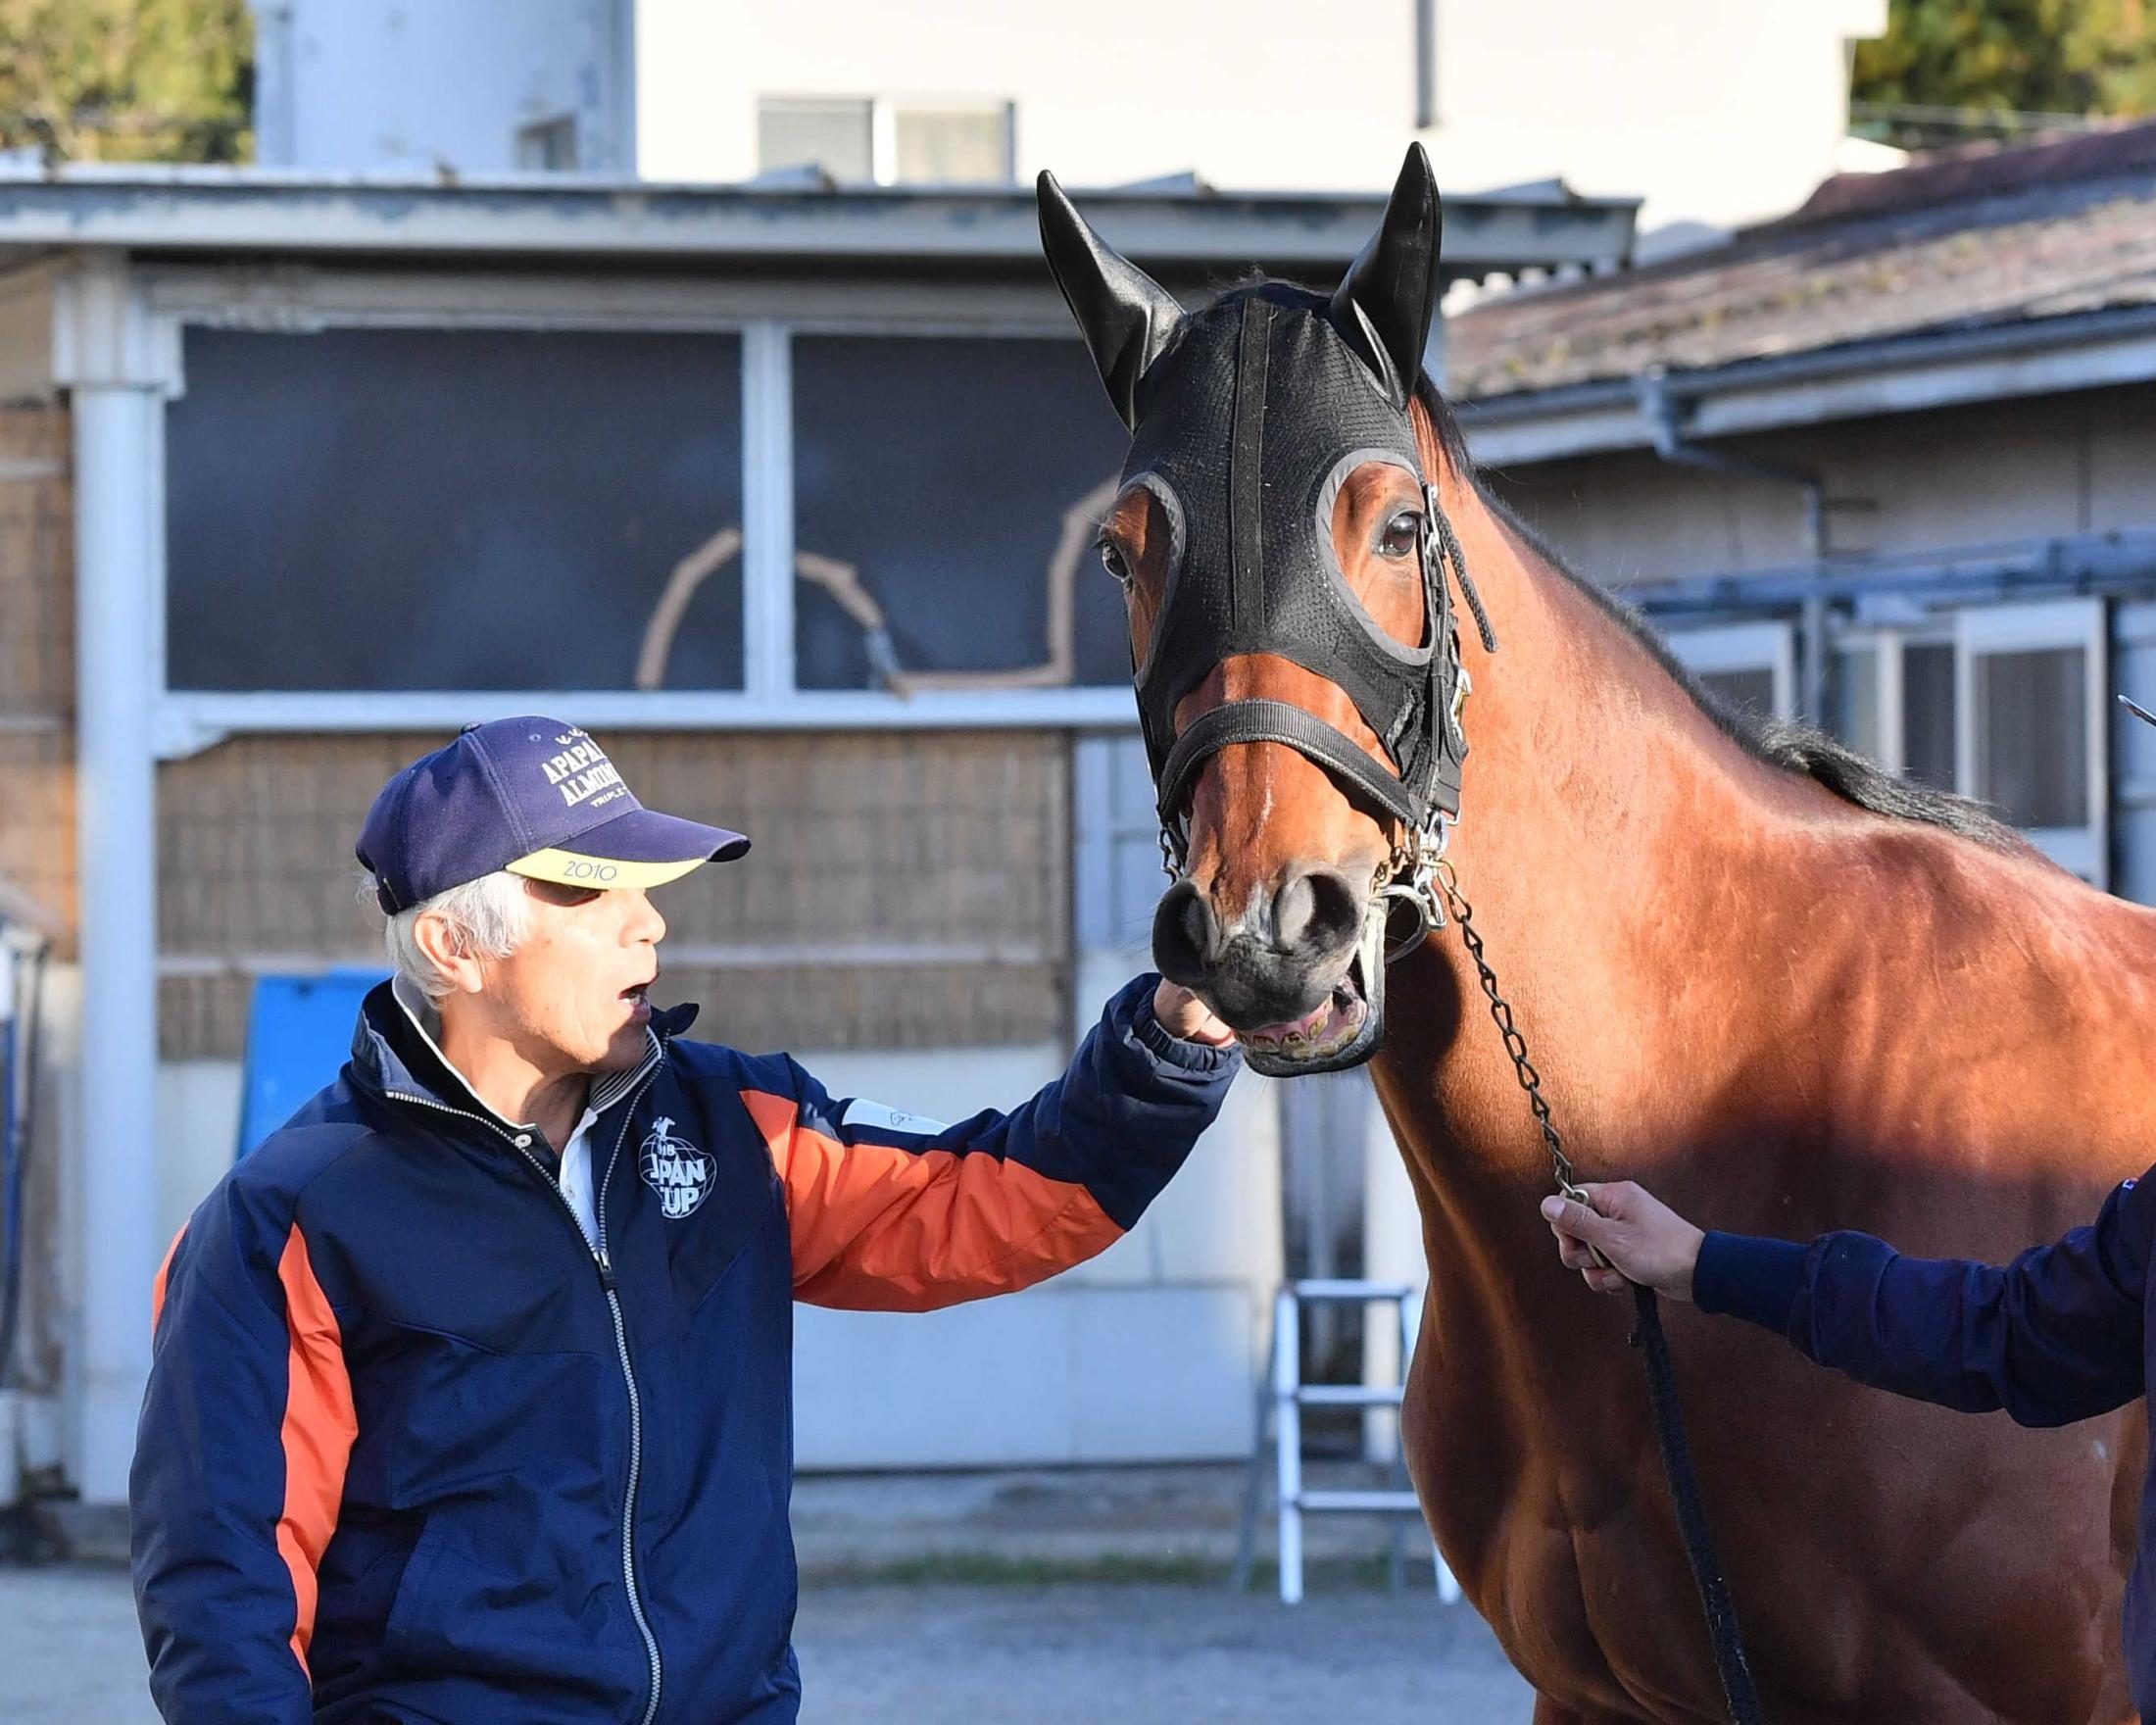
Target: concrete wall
x: 1718, y: 112
x: 1958, y: 476
x: 1148, y: 1353
x: 394, y: 86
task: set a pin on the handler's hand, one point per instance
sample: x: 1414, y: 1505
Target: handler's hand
x: 1647, y: 1241
x: 1182, y: 1013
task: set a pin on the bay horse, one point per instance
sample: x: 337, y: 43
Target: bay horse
x: 1786, y: 990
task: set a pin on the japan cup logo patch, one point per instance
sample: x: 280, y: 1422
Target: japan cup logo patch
x: 675, y: 1169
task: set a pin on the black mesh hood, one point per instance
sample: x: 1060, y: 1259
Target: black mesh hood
x: 1249, y: 424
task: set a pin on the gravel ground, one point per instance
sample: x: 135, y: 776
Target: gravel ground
x: 886, y: 1655
x: 1146, y: 1655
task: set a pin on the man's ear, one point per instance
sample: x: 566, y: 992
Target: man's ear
x: 434, y: 935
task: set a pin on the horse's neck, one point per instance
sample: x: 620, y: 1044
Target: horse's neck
x: 1607, y: 827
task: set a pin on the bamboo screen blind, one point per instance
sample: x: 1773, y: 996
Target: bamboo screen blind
x: 906, y: 889
x: 38, y: 659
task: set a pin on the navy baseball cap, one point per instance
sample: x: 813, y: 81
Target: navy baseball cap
x: 531, y: 795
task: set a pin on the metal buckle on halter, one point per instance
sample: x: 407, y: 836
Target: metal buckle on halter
x: 1413, y: 880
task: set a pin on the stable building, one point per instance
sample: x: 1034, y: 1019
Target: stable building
x: 786, y: 491
x: 1888, y: 463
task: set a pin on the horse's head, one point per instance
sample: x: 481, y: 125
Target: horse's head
x: 1278, y: 539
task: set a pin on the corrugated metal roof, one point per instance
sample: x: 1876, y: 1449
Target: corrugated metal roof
x: 2001, y: 237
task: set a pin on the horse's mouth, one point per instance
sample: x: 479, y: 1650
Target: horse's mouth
x: 1341, y: 1030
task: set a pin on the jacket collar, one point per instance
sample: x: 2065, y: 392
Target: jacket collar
x: 395, y: 1052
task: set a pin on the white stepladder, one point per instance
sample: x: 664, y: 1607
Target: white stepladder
x: 1285, y: 1396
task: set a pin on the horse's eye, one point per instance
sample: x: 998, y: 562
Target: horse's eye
x: 1113, y: 559
x: 1402, y: 535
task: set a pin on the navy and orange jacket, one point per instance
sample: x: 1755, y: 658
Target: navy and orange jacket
x: 2060, y: 1334
x: 414, y: 1450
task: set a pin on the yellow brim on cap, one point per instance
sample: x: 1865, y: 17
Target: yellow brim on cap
x: 567, y: 868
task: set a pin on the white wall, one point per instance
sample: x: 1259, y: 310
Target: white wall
x: 1148, y: 1353
x: 1717, y: 113
x: 410, y: 85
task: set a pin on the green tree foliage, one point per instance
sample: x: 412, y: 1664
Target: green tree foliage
x: 2080, y: 57
x: 128, y: 80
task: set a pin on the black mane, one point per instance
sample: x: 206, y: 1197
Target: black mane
x: 1794, y: 748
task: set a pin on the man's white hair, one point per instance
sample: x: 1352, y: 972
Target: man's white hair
x: 487, y: 919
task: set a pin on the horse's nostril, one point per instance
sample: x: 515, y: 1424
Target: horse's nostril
x: 1185, y: 935
x: 1315, y: 911
x: 1197, y: 924
x: 1293, y: 907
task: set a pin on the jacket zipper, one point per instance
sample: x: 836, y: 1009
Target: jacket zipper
x: 608, y: 1287
x: 636, y: 1402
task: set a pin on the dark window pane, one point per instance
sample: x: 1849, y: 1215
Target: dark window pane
x: 2033, y: 736
x: 1927, y: 715
x: 1742, y: 691
x: 1856, y: 698
x: 428, y: 508
x: 939, y: 474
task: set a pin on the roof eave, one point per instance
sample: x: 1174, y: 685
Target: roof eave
x: 224, y: 212
x: 1855, y: 380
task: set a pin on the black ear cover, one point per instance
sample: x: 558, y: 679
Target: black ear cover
x: 1126, y: 316
x: 1387, y: 300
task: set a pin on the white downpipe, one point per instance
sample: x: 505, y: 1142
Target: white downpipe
x: 115, y: 410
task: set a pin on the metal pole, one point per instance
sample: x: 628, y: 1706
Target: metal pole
x: 114, y: 408
x: 1288, y: 1435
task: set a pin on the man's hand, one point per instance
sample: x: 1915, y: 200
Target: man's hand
x: 1182, y: 1013
x: 1642, y: 1238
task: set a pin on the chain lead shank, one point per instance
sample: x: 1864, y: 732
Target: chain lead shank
x: 1740, y: 1696
x: 1515, y: 1043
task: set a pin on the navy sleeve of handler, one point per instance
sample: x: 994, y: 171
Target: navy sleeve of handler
x: 2053, y: 1337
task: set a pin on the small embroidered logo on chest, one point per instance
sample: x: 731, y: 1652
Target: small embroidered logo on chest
x: 675, y: 1169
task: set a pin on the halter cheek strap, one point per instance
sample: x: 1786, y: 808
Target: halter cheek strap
x: 1423, y: 797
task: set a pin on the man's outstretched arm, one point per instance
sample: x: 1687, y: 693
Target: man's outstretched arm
x: 890, y: 1211
x: 2053, y: 1337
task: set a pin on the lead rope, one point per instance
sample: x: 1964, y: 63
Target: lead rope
x: 1739, y: 1695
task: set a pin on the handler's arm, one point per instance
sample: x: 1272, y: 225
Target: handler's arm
x: 238, y: 1470
x: 2053, y: 1337
x: 893, y: 1213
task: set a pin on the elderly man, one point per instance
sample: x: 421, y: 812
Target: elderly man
x: 470, y: 1395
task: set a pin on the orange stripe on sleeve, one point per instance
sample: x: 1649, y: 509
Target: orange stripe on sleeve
x: 877, y: 1227
x: 165, y: 1269
x: 320, y: 1427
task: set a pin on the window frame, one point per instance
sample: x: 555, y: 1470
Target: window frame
x: 1889, y: 642
x: 1720, y: 648
x: 2045, y: 625
x: 186, y: 721
x: 883, y: 128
